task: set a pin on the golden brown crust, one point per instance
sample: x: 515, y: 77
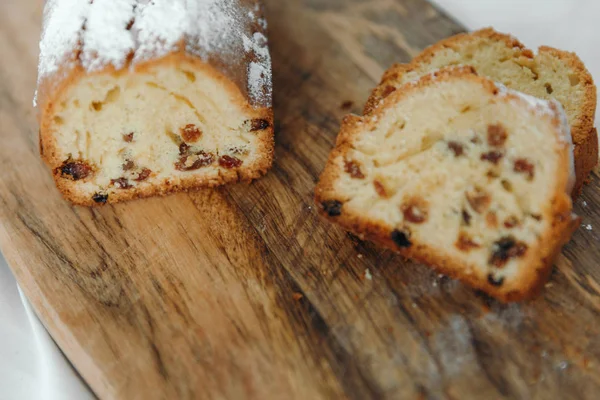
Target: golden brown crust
x: 69, y: 188
x: 530, y: 280
x: 586, y: 160
x: 582, y: 127
x: 584, y: 137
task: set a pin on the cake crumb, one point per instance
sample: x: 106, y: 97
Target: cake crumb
x: 360, y: 256
x: 563, y: 365
x: 368, y: 275
x: 297, y: 296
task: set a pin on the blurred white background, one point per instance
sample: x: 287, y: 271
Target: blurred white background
x: 32, y: 368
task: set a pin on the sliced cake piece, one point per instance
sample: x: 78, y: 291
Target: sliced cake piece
x: 551, y: 74
x: 462, y: 174
x: 140, y: 98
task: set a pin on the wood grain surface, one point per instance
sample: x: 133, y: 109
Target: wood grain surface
x: 244, y: 292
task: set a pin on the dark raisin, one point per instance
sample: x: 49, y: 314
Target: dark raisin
x: 121, y: 183
x: 128, y: 166
x: 380, y: 189
x: 495, y: 281
x: 478, y: 200
x: 143, y: 175
x: 194, y: 161
x: 353, y: 168
x: 505, y: 249
x: 525, y: 167
x: 76, y: 170
x: 387, y: 91
x: 259, y: 125
x: 415, y: 213
x: 465, y: 242
x: 347, y: 105
x: 100, y: 198
x: 401, y: 239
x: 333, y: 208
x: 184, y: 149
x: 493, y: 156
x: 130, y: 24
x: 128, y: 137
x: 466, y: 217
x: 190, y: 133
x: 496, y: 135
x: 230, y: 162
x: 457, y: 148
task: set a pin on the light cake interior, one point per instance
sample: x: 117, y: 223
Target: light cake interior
x: 173, y: 124
x: 452, y: 167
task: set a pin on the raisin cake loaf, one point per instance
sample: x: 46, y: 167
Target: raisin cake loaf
x: 551, y: 74
x: 138, y: 98
x: 462, y: 174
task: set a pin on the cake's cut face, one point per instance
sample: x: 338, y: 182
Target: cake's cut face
x: 141, y: 98
x: 175, y: 123
x: 551, y: 74
x: 458, y: 173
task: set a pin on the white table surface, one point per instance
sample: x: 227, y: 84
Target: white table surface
x: 32, y: 367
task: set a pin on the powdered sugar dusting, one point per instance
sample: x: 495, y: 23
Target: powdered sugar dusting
x: 568, y: 139
x: 259, y: 71
x: 554, y: 109
x: 454, y: 345
x: 60, y: 34
x: 159, y: 26
x: 221, y: 25
x: 105, y: 33
x: 540, y: 105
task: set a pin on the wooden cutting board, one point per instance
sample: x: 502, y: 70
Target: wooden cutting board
x: 243, y: 292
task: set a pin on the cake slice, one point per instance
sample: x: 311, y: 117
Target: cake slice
x: 459, y: 173
x: 551, y: 74
x: 140, y: 98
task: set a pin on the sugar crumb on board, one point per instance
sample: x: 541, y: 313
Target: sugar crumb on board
x: 453, y: 343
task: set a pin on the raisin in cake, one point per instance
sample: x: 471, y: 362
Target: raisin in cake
x: 139, y: 98
x: 551, y: 74
x: 460, y: 173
